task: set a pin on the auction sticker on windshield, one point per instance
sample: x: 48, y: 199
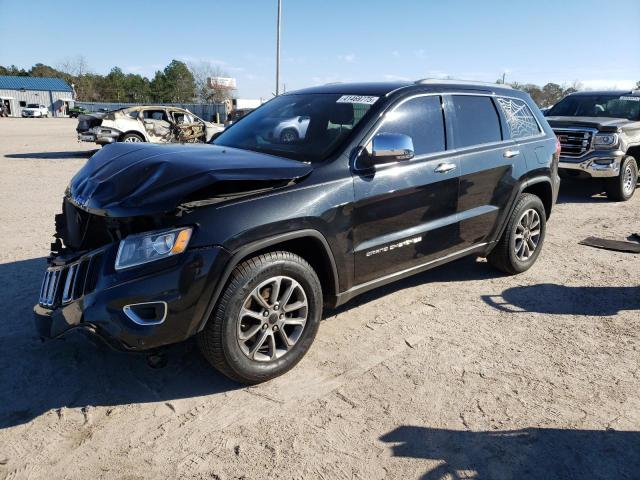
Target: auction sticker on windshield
x: 364, y: 99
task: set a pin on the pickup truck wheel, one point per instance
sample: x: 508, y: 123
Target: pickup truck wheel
x: 523, y: 237
x: 266, y: 319
x: 622, y: 187
x: 131, y: 138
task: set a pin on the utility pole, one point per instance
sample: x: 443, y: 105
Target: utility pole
x: 278, y: 49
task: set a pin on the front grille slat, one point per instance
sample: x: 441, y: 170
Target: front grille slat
x: 45, y: 285
x: 51, y: 290
x: 574, y: 142
x: 67, y: 292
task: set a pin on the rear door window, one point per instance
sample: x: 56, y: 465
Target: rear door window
x: 520, y: 119
x: 475, y: 121
x: 155, y: 115
x: 182, y: 117
x: 421, y: 119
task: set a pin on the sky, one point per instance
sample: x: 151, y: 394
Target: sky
x: 561, y: 41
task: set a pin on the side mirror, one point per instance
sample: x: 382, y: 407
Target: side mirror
x: 391, y: 147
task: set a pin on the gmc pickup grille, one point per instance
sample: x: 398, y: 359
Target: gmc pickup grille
x: 574, y: 143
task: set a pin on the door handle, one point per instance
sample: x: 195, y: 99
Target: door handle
x: 511, y: 153
x: 445, y: 167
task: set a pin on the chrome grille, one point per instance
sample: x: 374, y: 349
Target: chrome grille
x: 61, y: 285
x: 574, y: 142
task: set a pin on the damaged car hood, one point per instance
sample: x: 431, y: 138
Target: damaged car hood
x: 132, y: 179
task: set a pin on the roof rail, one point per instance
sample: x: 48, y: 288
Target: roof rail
x: 428, y: 81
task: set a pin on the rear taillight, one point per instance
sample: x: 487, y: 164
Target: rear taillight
x: 558, y: 146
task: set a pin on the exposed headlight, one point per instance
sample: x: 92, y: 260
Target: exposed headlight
x: 606, y: 140
x: 148, y: 247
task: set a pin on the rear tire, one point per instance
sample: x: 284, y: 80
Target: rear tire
x: 523, y: 237
x: 131, y: 138
x: 622, y: 187
x: 289, y: 135
x: 250, y: 303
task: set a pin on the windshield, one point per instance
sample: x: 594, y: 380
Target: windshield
x: 306, y: 127
x: 33, y: 105
x: 615, y: 106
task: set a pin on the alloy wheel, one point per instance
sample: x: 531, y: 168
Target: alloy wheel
x: 132, y: 139
x: 288, y: 136
x: 527, y: 234
x: 627, y: 180
x: 272, y: 319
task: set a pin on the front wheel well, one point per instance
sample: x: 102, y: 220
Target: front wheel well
x: 314, y: 252
x: 542, y: 190
x: 635, y: 153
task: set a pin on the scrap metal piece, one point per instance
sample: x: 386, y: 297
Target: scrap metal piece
x: 615, y: 245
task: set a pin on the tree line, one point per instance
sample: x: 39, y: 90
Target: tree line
x: 176, y: 83
x: 547, y: 95
x: 180, y: 82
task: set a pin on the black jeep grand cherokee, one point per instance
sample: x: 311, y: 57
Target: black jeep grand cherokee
x: 242, y: 242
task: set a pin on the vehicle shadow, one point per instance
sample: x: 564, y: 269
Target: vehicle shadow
x: 530, y: 453
x: 465, y: 269
x: 582, y: 191
x: 37, y: 377
x: 552, y: 299
x: 53, y: 155
x: 72, y: 372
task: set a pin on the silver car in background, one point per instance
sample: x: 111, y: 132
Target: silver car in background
x: 292, y: 129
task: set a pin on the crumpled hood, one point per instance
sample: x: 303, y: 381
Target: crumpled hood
x: 132, y: 179
x: 603, y: 124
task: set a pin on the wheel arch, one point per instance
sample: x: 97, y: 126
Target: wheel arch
x: 541, y: 188
x: 309, y: 244
x: 635, y: 153
x: 133, y: 132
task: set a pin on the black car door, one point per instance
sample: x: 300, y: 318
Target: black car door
x: 405, y: 213
x: 487, y: 166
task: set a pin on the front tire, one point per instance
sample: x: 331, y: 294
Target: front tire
x: 266, y: 319
x: 622, y: 187
x: 522, y: 239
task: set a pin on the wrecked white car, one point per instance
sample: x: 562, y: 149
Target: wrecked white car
x: 153, y: 124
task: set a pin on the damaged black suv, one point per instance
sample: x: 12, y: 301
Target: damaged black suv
x: 313, y: 198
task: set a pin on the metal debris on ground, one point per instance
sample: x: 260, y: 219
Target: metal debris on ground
x: 615, y: 245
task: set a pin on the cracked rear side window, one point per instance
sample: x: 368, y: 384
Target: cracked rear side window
x: 519, y: 117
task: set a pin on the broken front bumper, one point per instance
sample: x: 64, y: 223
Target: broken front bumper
x: 143, y: 307
x: 597, y: 164
x: 99, y: 135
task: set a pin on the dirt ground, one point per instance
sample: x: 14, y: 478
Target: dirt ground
x: 459, y: 372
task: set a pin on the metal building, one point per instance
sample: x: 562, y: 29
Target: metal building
x: 18, y: 92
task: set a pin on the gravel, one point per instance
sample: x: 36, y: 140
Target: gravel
x: 459, y: 372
